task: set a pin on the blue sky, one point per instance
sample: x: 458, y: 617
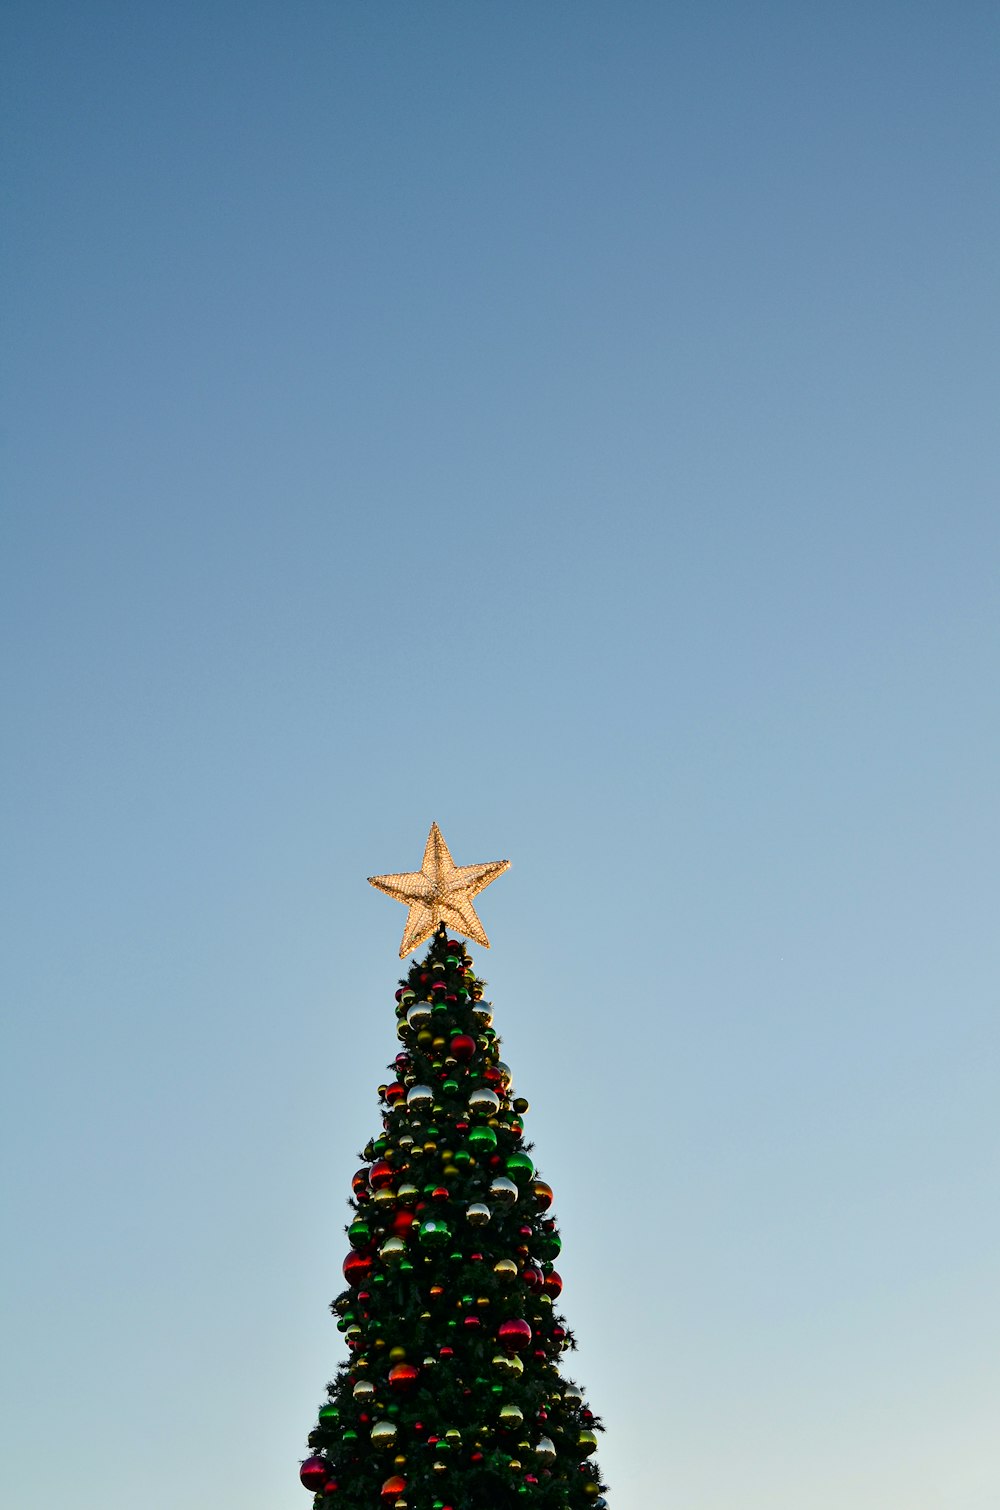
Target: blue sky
x: 576, y: 424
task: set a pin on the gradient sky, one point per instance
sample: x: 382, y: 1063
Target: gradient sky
x: 576, y: 423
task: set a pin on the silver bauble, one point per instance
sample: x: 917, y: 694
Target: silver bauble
x: 503, y: 1191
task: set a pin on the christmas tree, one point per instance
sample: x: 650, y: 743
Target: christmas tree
x: 453, y: 1395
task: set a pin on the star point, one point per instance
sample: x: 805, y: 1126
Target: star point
x: 439, y: 892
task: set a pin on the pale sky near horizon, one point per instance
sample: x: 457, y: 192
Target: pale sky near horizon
x: 577, y: 424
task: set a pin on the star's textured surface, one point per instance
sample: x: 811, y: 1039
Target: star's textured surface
x: 440, y: 892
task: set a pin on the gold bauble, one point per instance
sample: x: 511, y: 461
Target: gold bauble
x: 392, y: 1250
x: 408, y: 1193
x: 384, y: 1198
x: 587, y: 1443
x: 511, y: 1416
x: 505, y: 1270
x: 397, y: 1354
x: 384, y: 1434
x: 545, y: 1451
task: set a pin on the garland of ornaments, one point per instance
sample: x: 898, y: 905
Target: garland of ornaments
x: 452, y: 1397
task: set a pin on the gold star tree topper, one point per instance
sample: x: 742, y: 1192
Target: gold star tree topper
x: 440, y: 892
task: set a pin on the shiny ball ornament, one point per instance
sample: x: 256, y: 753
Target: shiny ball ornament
x: 520, y: 1167
x: 363, y: 1391
x: 394, y: 1092
x: 357, y: 1267
x: 329, y: 1415
x: 485, y: 1101
x: 403, y: 1376
x: 359, y: 1183
x: 392, y: 1250
x: 505, y: 1073
x: 506, y: 1270
x: 420, y: 1098
x: 419, y: 1015
x: 314, y: 1474
x: 586, y: 1443
x: 511, y: 1417
x: 384, y: 1198
x: 380, y: 1175
x: 392, y: 1489
x: 434, y: 1233
x: 543, y: 1194
x: 358, y: 1233
x: 572, y: 1398
x: 545, y: 1451
x: 463, y: 1046
x: 514, y: 1334
x: 553, y: 1284
x: 482, y: 1139
x: 534, y: 1278
x: 521, y: 1105
x: 384, y: 1434
x: 482, y: 1011
x: 397, y: 1354
x: 478, y: 1214
x: 503, y: 1191
x: 407, y: 1193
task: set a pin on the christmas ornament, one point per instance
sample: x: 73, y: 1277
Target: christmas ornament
x: 478, y: 1214
x: 484, y: 1100
x: 514, y: 1334
x: 504, y: 1191
x: 440, y: 891
x: 314, y: 1473
x: 419, y: 1098
x: 384, y: 1434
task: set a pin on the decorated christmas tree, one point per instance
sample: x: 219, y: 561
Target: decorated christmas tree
x: 453, y: 1395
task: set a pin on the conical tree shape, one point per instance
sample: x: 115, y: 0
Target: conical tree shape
x: 452, y: 1397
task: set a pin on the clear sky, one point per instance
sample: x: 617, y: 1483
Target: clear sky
x: 576, y: 423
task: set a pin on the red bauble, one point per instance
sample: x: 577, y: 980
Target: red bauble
x: 394, y: 1092
x: 439, y: 1194
x: 331, y: 1486
x: 402, y: 1222
x: 446, y: 1352
x: 553, y: 1284
x: 403, y: 1375
x: 463, y: 1047
x: 380, y: 1175
x: 314, y: 1474
x: 515, y: 1335
x: 393, y: 1488
x: 357, y: 1267
x: 472, y: 1321
x: 533, y: 1277
x: 360, y: 1182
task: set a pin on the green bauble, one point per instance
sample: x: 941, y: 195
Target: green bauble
x: 482, y: 1139
x: 434, y: 1233
x: 520, y: 1167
